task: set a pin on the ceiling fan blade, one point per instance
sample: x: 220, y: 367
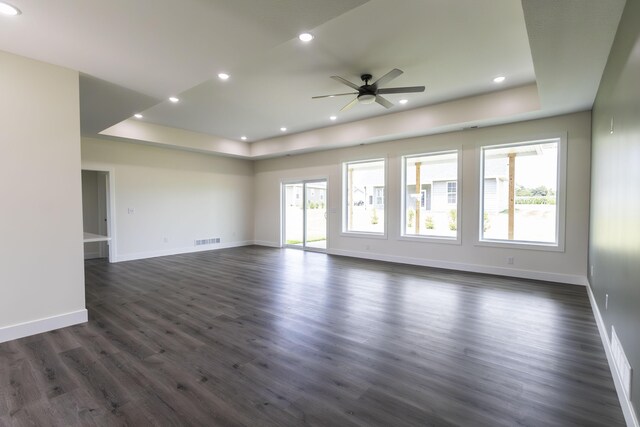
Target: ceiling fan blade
x: 346, y: 82
x: 401, y: 89
x: 383, y: 101
x: 349, y: 105
x: 335, y: 94
x: 387, y: 77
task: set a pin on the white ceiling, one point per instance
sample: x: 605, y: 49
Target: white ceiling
x: 133, y: 55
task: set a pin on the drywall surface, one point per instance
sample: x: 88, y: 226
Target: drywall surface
x: 167, y: 199
x: 42, y: 274
x: 565, y: 266
x: 614, y: 247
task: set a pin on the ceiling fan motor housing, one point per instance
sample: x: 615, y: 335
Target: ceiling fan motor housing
x: 367, y: 92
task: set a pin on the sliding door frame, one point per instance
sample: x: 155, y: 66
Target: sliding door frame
x: 283, y: 216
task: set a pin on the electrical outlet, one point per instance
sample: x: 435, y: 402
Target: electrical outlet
x: 131, y: 211
x: 606, y: 301
x: 367, y: 247
x: 510, y: 260
x: 165, y: 240
x: 591, y: 270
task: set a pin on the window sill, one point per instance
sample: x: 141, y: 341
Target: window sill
x: 548, y: 247
x: 430, y: 239
x: 363, y: 234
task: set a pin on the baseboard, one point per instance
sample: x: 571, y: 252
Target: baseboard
x: 627, y: 407
x: 474, y: 268
x: 266, y: 243
x: 178, y: 251
x: 21, y: 330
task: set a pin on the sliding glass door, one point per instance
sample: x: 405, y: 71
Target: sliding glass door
x: 305, y: 214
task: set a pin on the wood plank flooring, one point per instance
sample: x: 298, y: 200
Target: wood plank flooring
x: 267, y: 337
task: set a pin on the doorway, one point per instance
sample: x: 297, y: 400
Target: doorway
x: 96, y: 215
x: 304, y: 219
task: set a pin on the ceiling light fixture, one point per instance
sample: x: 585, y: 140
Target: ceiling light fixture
x: 174, y: 99
x: 305, y: 37
x: 333, y: 118
x: 7, y: 9
x: 283, y: 129
x: 499, y: 79
x: 366, y: 98
x: 223, y: 76
x: 403, y: 101
x: 244, y: 138
x: 138, y: 116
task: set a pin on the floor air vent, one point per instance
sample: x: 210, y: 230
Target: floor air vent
x: 207, y: 241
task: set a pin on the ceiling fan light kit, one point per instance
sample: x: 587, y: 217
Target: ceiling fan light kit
x: 370, y: 93
x: 366, y: 98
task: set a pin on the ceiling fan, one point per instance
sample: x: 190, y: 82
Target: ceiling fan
x: 370, y: 93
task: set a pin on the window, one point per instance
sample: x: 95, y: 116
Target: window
x: 430, y: 184
x: 451, y: 192
x: 520, y: 188
x: 363, y: 196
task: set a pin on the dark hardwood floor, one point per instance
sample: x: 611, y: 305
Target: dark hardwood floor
x: 258, y: 336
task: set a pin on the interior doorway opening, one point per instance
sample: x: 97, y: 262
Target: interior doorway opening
x: 304, y: 219
x: 96, y: 214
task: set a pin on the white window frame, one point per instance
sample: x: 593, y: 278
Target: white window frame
x: 431, y: 239
x: 561, y: 195
x: 343, y: 199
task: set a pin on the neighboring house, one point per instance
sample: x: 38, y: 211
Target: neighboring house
x: 359, y: 196
x: 315, y: 194
x: 368, y: 187
x: 293, y: 195
x: 496, y: 185
x: 438, y: 188
x: 496, y: 176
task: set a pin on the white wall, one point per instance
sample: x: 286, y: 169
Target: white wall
x: 568, y: 266
x: 176, y: 198
x: 41, y: 278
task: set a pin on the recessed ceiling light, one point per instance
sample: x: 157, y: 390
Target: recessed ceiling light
x: 283, y: 129
x: 223, y: 76
x: 7, y: 9
x: 244, y: 138
x: 333, y: 118
x: 403, y: 101
x: 499, y: 79
x: 305, y: 37
x: 138, y: 116
x: 174, y: 99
